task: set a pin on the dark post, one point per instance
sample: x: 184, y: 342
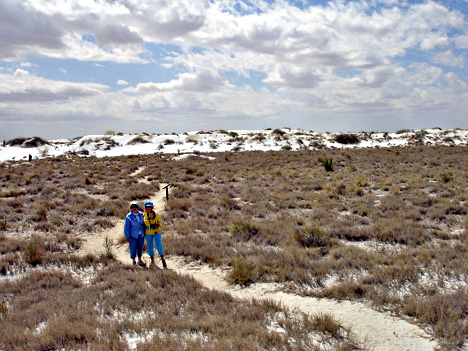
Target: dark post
x: 167, y: 191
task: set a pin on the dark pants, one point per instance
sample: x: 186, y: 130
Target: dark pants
x: 136, y: 247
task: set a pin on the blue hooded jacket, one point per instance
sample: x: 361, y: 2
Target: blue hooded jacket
x: 134, y: 226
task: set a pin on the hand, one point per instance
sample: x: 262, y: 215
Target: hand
x: 128, y: 240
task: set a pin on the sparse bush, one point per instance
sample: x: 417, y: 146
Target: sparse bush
x: 347, y: 139
x: 16, y: 141
x: 325, y: 323
x: 327, y: 163
x: 169, y: 142
x: 279, y: 132
x: 446, y: 177
x: 138, y: 140
x: 191, y: 139
x: 244, y: 273
x: 35, y: 142
x: 34, y: 251
x: 311, y: 237
x: 243, y: 230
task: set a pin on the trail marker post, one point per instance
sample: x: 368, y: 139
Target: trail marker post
x: 167, y: 191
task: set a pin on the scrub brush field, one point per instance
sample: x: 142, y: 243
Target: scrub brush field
x: 385, y: 227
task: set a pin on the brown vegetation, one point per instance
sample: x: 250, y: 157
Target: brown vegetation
x: 385, y: 226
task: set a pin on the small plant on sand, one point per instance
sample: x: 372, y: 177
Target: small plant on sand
x: 325, y: 323
x: 446, y: 177
x: 34, y: 251
x: 245, y: 273
x: 327, y: 163
x: 311, y: 237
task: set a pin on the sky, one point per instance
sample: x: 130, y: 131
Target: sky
x: 70, y: 68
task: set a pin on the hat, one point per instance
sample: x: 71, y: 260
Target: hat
x: 148, y: 204
x: 134, y: 204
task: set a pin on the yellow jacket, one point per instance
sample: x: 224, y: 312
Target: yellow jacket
x: 152, y: 223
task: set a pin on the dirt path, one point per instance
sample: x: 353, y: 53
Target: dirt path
x: 381, y: 331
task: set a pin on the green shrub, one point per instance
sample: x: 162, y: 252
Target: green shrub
x: 311, y: 237
x: 244, y: 273
x: 243, y: 230
x: 138, y: 140
x: 347, y: 139
x: 35, y: 142
x: 3, y: 224
x: 327, y: 163
x: 16, y: 141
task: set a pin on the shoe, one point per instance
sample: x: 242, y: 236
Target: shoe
x: 163, y: 262
x: 141, y: 263
x: 133, y: 262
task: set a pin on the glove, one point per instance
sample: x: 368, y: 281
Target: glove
x: 128, y: 240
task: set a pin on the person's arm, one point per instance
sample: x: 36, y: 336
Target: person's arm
x: 158, y: 221
x: 127, y: 228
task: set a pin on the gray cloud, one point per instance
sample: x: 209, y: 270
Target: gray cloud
x: 24, y: 88
x: 22, y: 27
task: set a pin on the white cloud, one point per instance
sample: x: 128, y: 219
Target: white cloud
x: 21, y: 73
x: 204, y: 80
x: 448, y: 58
x: 122, y: 82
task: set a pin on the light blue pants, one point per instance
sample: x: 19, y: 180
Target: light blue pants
x: 136, y: 246
x: 149, y: 243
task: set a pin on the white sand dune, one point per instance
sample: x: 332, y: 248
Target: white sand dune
x: 381, y: 331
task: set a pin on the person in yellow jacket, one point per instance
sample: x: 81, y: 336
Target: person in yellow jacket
x: 153, y: 233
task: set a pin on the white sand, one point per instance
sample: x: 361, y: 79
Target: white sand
x: 380, y: 331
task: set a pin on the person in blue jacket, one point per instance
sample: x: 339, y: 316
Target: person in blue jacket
x: 134, y: 230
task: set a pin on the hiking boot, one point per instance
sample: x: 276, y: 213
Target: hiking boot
x: 141, y: 263
x: 133, y: 262
x: 163, y: 262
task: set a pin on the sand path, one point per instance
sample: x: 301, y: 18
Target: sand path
x: 381, y: 331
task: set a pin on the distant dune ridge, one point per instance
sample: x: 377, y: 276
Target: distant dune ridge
x: 118, y: 144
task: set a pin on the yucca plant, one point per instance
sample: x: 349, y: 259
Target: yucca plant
x: 327, y: 163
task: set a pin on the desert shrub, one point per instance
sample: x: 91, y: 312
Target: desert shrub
x: 35, y: 142
x: 245, y: 273
x: 446, y: 177
x: 327, y: 163
x: 138, y: 140
x: 191, y: 139
x: 109, y: 132
x: 446, y: 313
x: 16, y: 141
x: 403, y: 131
x: 347, y: 139
x: 243, y: 230
x: 311, y: 237
x: 169, y: 142
x: 325, y: 323
x: 34, y: 251
x: 279, y: 132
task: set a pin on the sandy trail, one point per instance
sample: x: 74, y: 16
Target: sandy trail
x: 381, y: 331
